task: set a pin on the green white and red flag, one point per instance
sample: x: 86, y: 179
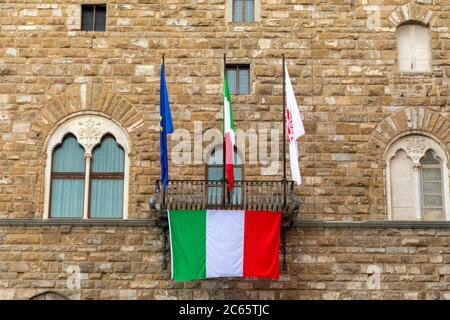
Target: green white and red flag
x: 228, y: 134
x: 224, y: 243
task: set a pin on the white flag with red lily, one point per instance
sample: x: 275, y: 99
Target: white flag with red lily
x: 295, y: 129
x: 228, y: 133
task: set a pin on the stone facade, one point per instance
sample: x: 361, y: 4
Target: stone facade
x: 342, y: 59
x: 120, y: 262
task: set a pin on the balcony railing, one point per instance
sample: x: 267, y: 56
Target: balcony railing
x: 214, y: 194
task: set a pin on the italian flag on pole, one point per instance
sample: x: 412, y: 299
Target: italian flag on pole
x: 224, y: 243
x: 228, y: 134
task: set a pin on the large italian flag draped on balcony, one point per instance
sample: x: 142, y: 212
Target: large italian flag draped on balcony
x: 224, y: 243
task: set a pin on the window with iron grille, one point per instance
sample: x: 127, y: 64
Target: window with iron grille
x: 243, y: 10
x: 238, y: 79
x: 93, y: 17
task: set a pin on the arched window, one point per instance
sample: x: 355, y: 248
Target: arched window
x: 87, y: 170
x: 417, y: 180
x: 414, y: 48
x: 432, y: 187
x: 214, y: 174
x: 67, y: 181
x: 107, y: 180
x: 403, y: 189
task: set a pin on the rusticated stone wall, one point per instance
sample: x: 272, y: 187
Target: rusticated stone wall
x: 341, y: 58
x: 123, y: 262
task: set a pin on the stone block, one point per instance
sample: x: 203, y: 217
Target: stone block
x: 42, y: 283
x: 7, y: 294
x: 146, y: 70
x: 21, y: 127
x: 11, y: 52
x: 22, y: 239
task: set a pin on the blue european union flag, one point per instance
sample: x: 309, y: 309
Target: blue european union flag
x: 166, y: 127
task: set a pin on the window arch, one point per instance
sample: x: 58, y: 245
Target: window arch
x: 87, y: 170
x: 432, y: 186
x: 67, y: 179
x: 106, y: 183
x: 214, y: 173
x: 414, y: 47
x: 417, y: 180
x: 49, y: 295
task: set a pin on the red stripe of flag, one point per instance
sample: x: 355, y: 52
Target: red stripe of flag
x: 229, y: 165
x: 261, y: 244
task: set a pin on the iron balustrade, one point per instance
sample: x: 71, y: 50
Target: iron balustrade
x: 213, y: 194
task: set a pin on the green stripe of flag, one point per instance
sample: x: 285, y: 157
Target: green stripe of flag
x: 188, y: 244
x: 227, y: 103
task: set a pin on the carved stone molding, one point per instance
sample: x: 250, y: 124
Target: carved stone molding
x: 89, y: 131
x: 406, y: 122
x: 410, y: 12
x: 416, y: 148
x: 89, y: 134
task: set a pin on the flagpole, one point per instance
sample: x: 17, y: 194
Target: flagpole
x: 284, y: 133
x: 284, y: 118
x: 163, y: 189
x: 223, y: 130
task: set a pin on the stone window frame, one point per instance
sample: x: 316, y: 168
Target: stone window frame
x: 229, y: 12
x: 412, y: 13
x: 89, y: 129
x: 416, y: 146
x: 95, y: 6
x: 238, y: 66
